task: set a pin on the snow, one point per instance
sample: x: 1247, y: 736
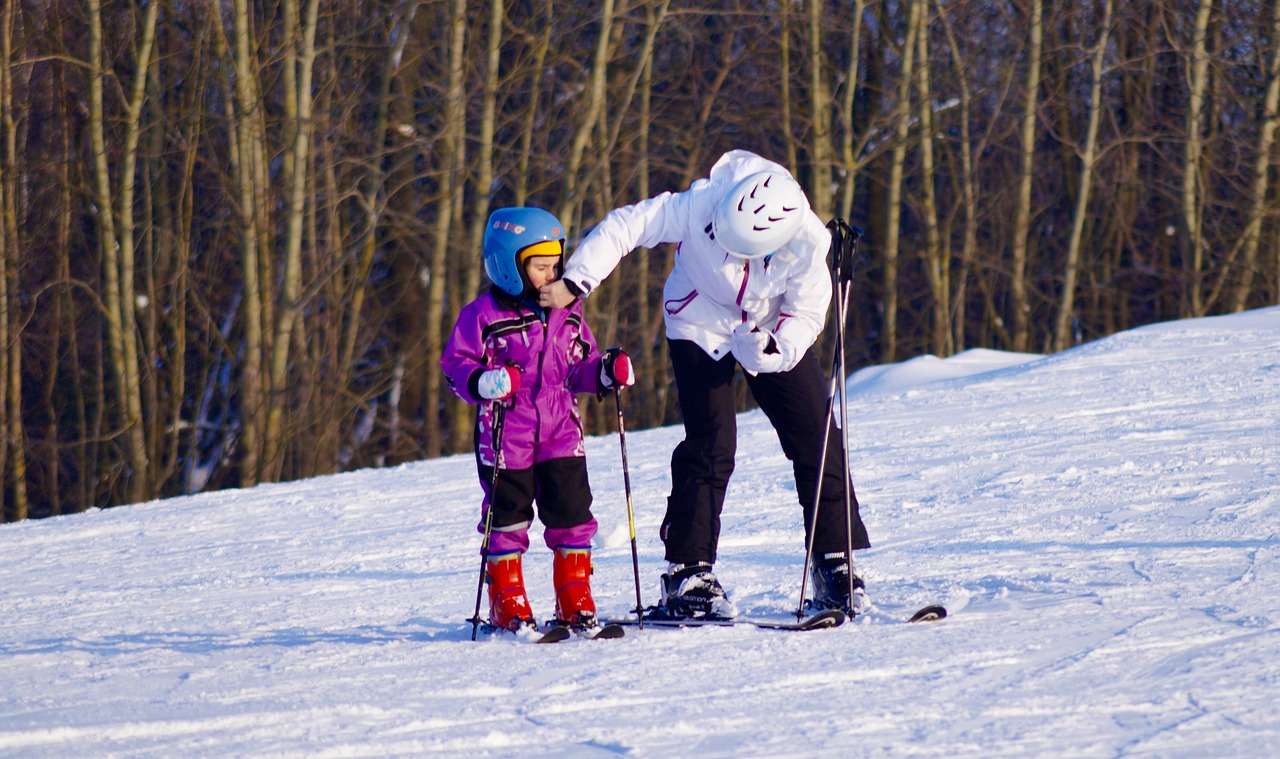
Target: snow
x: 1103, y: 524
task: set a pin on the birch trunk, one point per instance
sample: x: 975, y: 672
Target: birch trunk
x: 820, y: 146
x: 1020, y: 304
x: 452, y: 147
x: 299, y: 66
x: 571, y: 203
x: 374, y: 192
x: 247, y: 145
x: 117, y: 238
x: 13, y: 457
x: 530, y: 124
x: 968, y: 186
x: 461, y: 419
x: 784, y: 85
x: 1261, y: 169
x: 893, y: 233
x: 1198, y: 76
x: 1088, y: 160
x: 937, y: 257
x: 849, y: 181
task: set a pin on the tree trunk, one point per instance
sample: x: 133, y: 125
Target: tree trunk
x: 299, y: 65
x: 1020, y: 304
x: 1088, y: 160
x: 453, y: 149
x: 571, y: 202
x: 821, y: 148
x: 117, y: 240
x: 893, y: 202
x: 530, y: 123
x: 937, y: 257
x: 247, y: 145
x: 1261, y: 169
x: 12, y: 449
x: 849, y: 181
x: 1192, y: 241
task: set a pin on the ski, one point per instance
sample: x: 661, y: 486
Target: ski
x: 531, y: 634
x: 932, y: 613
x: 820, y: 621
x: 606, y: 631
x: 554, y: 634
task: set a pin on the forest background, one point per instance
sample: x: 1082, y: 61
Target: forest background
x: 235, y: 234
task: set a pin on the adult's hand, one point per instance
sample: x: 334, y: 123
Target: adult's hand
x: 755, y: 349
x: 555, y: 295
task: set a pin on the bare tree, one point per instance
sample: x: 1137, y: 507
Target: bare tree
x: 849, y: 147
x: 300, y: 36
x: 1088, y: 161
x: 821, y: 147
x: 936, y: 254
x: 571, y: 200
x: 12, y: 449
x: 117, y: 239
x: 246, y: 137
x: 1020, y: 304
x: 453, y: 142
x: 894, y: 189
x: 1197, y: 84
x: 1261, y: 171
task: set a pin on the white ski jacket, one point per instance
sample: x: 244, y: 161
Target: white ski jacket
x: 710, y: 292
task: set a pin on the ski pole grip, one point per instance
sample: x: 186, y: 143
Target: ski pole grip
x: 844, y: 245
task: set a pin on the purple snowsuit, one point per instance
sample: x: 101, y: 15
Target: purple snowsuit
x: 543, y: 455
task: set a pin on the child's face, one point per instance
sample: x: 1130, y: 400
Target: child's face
x: 542, y: 270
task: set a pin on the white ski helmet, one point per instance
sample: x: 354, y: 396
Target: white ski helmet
x: 759, y: 214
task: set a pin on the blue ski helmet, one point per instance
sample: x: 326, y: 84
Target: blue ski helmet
x: 509, y: 239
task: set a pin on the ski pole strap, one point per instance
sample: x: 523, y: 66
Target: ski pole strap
x: 844, y: 246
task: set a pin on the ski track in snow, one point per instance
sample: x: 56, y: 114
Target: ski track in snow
x: 1103, y: 525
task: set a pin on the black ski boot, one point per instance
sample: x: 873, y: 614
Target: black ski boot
x: 691, y: 590
x: 830, y: 574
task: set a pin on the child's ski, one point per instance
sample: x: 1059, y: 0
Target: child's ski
x: 553, y: 633
x: 605, y: 631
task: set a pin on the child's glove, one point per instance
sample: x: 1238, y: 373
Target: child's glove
x: 499, y: 384
x: 616, y: 370
x: 758, y: 350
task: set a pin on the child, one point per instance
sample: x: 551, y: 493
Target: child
x: 506, y: 349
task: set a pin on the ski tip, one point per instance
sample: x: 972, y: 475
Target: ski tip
x: 929, y: 614
x: 610, y: 630
x: 835, y: 618
x: 554, y: 634
x: 823, y: 620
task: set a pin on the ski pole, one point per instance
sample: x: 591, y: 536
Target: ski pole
x: 846, y: 282
x: 631, y: 517
x: 844, y: 240
x: 498, y: 414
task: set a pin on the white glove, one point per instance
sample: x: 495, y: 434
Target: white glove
x: 499, y: 384
x: 749, y: 344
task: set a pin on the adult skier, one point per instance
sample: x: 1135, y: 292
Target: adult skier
x: 749, y: 288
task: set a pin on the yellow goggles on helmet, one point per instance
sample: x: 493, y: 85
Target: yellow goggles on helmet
x: 544, y: 248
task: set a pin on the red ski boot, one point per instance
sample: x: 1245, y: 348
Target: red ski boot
x: 572, y: 574
x: 508, y: 604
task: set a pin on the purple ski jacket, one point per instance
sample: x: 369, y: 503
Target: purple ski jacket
x: 557, y: 357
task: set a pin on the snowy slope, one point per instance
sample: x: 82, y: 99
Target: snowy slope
x: 1103, y: 523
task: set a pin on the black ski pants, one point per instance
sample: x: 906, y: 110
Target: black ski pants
x: 795, y: 403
